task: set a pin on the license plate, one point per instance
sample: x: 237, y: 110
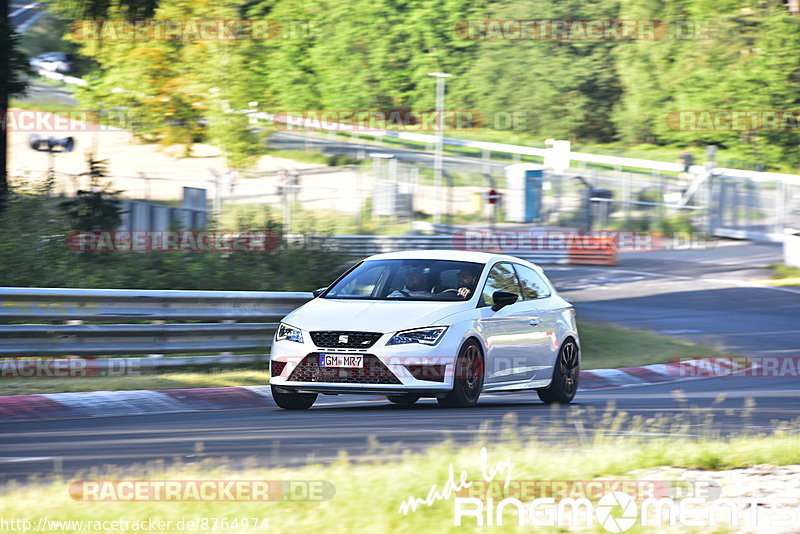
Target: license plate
x: 341, y: 360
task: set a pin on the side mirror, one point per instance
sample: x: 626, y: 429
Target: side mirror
x: 503, y: 299
x: 318, y: 292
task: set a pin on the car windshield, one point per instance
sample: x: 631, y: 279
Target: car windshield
x: 412, y: 279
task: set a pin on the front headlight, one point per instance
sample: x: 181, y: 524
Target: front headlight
x: 426, y: 336
x: 288, y: 333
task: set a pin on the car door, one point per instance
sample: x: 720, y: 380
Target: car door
x: 539, y: 309
x: 514, y: 340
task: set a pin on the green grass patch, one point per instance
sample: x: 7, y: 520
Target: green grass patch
x: 782, y: 271
x: 368, y: 495
x: 608, y: 346
x: 193, y: 379
x: 314, y: 156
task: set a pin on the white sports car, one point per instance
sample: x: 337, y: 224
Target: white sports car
x: 443, y: 324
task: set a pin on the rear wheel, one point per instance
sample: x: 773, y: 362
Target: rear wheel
x: 565, y: 376
x: 406, y: 399
x: 292, y: 401
x: 468, y: 380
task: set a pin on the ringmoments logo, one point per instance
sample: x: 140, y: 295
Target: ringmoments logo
x: 605, y: 508
x: 618, y: 511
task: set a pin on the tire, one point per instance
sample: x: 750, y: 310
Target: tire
x: 293, y: 401
x: 566, y: 374
x: 406, y: 399
x: 468, y: 380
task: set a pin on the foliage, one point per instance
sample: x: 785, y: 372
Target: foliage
x: 13, y: 63
x: 376, y: 55
x: 98, y: 208
x: 34, y: 253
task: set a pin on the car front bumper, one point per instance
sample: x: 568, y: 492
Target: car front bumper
x: 387, y: 369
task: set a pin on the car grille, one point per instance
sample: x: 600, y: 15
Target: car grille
x: 277, y: 368
x: 355, y: 340
x: 373, y: 372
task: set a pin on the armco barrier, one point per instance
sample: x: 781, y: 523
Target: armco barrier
x: 25, y: 303
x: 248, y: 321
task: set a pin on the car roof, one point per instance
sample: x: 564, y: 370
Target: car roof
x: 452, y: 255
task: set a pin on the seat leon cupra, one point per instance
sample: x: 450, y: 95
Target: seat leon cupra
x: 442, y: 324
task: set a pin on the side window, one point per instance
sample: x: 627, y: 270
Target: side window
x: 501, y: 278
x: 533, y: 286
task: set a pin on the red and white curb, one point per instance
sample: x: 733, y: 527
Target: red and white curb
x: 142, y: 402
x: 139, y: 402
x: 661, y: 373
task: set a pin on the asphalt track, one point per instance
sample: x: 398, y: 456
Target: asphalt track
x: 704, y: 299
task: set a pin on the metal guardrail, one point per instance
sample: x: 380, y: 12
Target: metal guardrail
x: 133, y: 304
x: 96, y: 340
x: 248, y: 321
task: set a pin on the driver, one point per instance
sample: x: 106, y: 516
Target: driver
x: 466, y: 278
x: 416, y: 285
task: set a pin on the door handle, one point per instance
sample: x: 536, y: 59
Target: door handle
x: 534, y: 321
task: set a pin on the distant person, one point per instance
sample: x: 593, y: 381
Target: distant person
x: 687, y: 160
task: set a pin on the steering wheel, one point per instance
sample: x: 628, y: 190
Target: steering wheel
x: 451, y: 290
x: 402, y: 291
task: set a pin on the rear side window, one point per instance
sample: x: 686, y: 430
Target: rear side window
x: 533, y: 285
x: 501, y: 278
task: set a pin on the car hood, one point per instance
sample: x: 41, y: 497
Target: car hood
x: 372, y: 316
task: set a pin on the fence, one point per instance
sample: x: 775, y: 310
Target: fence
x: 734, y: 203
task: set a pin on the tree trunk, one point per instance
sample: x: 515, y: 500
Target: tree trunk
x: 5, y: 78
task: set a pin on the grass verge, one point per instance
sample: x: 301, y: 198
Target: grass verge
x: 783, y: 275
x: 368, y: 495
x: 608, y: 346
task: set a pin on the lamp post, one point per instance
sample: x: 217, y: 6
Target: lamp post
x: 437, y: 158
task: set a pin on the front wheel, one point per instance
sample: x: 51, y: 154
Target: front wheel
x: 565, y: 376
x: 468, y: 380
x: 292, y: 401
